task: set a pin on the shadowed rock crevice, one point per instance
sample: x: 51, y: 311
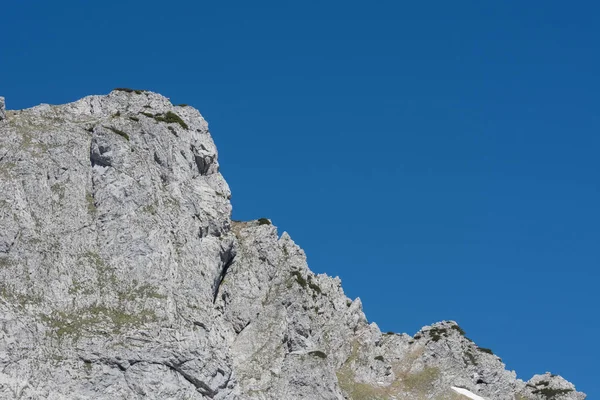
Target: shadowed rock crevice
x: 203, y: 161
x: 100, y: 154
x: 227, y: 258
x: 201, y: 386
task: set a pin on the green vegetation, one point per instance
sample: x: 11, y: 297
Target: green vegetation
x: 23, y: 300
x: 100, y: 318
x: 316, y: 288
x: 306, y: 283
x: 357, y: 390
x: 118, y: 132
x: 87, y: 365
x: 91, y: 203
x: 317, y: 353
x: 4, y: 262
x: 136, y: 119
x: 458, y: 329
x: 78, y: 287
x: 520, y: 397
x: 94, y: 319
x: 264, y: 221
x: 418, y: 384
x: 117, y: 114
x: 144, y: 291
x: 550, y: 393
x: 59, y: 189
x: 129, y: 90
x: 169, y: 118
x: 20, y: 299
x: 105, y: 273
x: 461, y: 331
x: 379, y: 358
x: 182, y: 105
x: 150, y: 209
x: 301, y: 281
x: 437, y: 333
x: 485, y: 350
x: 470, y: 358
x: 422, y: 381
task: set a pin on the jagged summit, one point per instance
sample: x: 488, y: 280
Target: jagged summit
x: 123, y: 276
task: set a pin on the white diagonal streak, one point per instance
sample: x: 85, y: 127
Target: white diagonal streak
x: 467, y: 393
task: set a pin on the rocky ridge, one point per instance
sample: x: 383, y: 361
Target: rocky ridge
x: 122, y: 276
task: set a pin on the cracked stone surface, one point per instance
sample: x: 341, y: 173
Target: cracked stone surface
x: 2, y: 109
x: 122, y: 276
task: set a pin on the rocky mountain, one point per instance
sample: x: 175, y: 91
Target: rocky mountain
x: 122, y: 276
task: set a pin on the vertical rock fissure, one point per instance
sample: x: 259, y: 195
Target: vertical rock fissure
x: 227, y: 258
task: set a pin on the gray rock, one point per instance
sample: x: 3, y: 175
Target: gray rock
x: 2, y: 109
x: 123, y: 276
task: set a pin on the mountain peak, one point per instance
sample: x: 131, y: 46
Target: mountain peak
x: 122, y: 275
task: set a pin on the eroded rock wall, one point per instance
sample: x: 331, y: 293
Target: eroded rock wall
x: 122, y: 276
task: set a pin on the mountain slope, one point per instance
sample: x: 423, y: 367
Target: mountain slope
x: 123, y: 276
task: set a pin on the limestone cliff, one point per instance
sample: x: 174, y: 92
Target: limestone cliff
x: 122, y: 276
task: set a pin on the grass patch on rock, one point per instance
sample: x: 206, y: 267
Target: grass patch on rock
x: 169, y: 117
x: 458, y: 329
x: 91, y: 203
x: 128, y: 90
x: 94, y: 319
x: 485, y: 350
x: 143, y: 291
x: 436, y: 334
x: 317, y: 353
x: 422, y: 381
x: 316, y: 288
x: 550, y: 393
x: 118, y: 132
x: 470, y: 358
x: 299, y: 278
x: 407, y: 385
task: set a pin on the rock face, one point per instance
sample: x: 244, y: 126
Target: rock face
x: 2, y: 109
x: 122, y: 276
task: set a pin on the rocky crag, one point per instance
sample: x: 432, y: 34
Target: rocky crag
x: 122, y: 276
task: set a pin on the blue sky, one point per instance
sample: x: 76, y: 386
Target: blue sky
x: 440, y: 157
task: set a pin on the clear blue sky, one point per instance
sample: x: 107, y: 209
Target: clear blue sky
x: 441, y: 157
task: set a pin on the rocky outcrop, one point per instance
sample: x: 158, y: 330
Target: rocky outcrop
x: 123, y: 276
x: 2, y: 109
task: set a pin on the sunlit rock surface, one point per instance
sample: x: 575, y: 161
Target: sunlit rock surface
x: 122, y: 276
